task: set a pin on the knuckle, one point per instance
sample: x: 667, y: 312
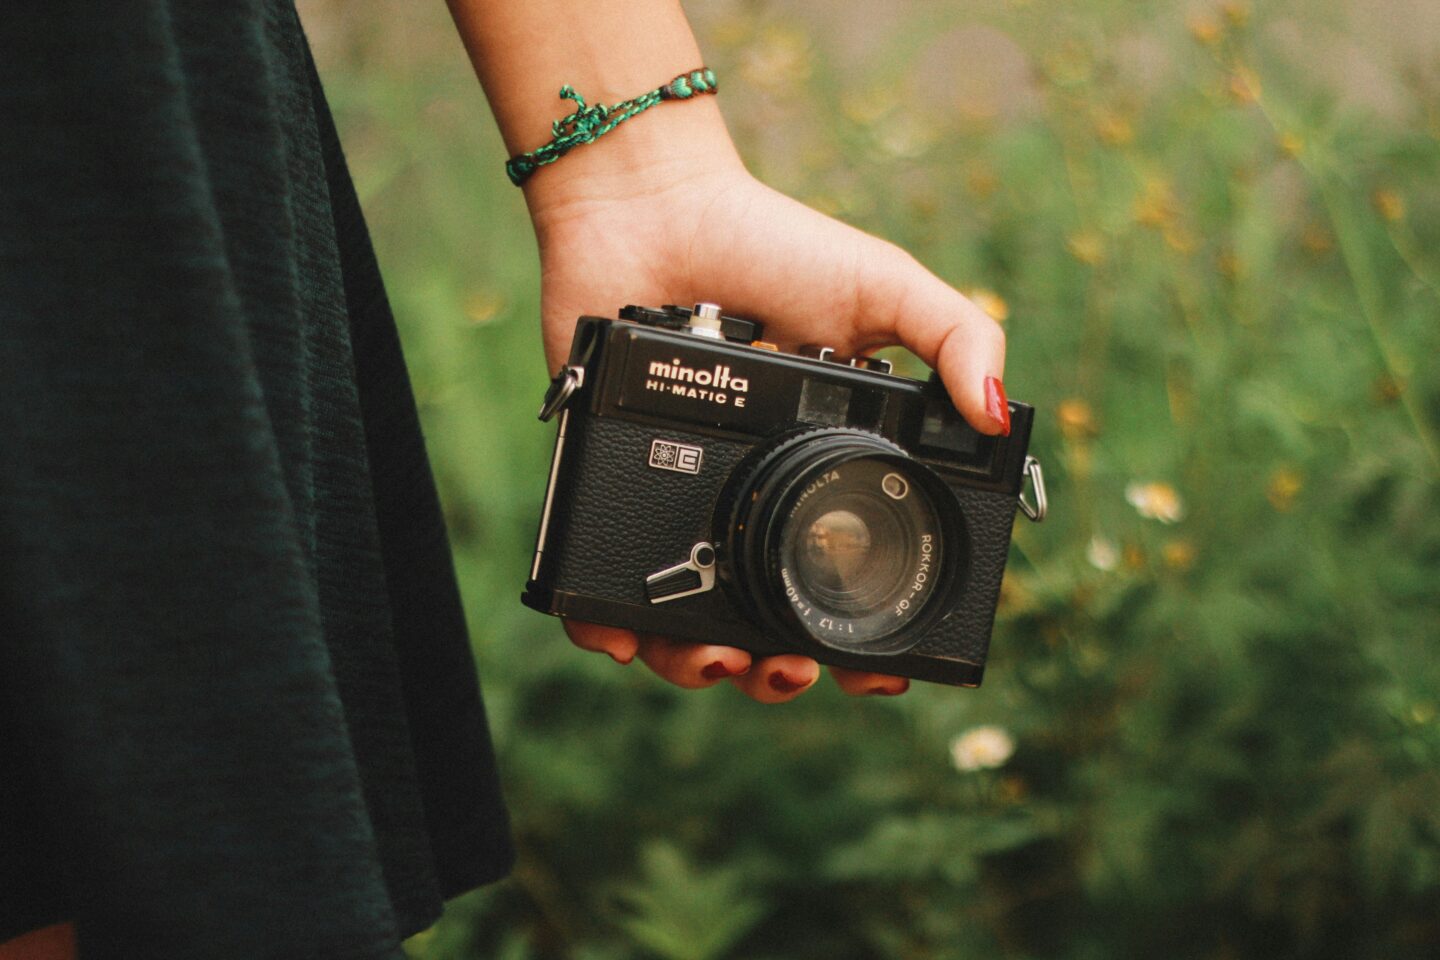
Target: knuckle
x: 983, y: 327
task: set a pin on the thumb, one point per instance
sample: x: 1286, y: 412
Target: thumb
x: 899, y: 301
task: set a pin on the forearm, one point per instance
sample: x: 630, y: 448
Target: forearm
x: 608, y: 50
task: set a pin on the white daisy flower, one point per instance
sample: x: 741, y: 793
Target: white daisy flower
x: 981, y: 748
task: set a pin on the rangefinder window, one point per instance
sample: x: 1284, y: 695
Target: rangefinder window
x: 828, y: 404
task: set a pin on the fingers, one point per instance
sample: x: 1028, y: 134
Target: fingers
x: 779, y: 679
x: 687, y: 665
x: 899, y: 300
x: 692, y: 665
x: 859, y: 684
x: 620, y: 645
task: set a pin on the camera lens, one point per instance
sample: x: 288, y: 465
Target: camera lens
x: 850, y: 557
x: 838, y: 535
x: 832, y: 557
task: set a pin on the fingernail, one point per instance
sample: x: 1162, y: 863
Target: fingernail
x: 716, y: 671
x: 783, y: 684
x: 997, y: 408
x: 891, y: 691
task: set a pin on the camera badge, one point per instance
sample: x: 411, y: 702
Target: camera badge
x: 671, y: 455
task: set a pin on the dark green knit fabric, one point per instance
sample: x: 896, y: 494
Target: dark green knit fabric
x: 238, y: 710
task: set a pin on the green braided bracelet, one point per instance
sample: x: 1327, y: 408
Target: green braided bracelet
x: 587, y: 123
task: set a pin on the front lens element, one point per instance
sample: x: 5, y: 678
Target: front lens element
x: 857, y: 564
x: 834, y: 554
x: 847, y: 541
x: 854, y: 556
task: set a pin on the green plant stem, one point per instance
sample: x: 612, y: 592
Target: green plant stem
x: 1407, y: 248
x: 1367, y: 289
x: 1368, y: 293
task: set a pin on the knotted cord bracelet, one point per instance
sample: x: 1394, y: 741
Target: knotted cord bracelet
x: 587, y: 123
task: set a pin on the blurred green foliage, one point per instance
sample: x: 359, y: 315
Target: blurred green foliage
x: 1215, y: 662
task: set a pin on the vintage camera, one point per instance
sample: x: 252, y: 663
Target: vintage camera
x: 707, y: 487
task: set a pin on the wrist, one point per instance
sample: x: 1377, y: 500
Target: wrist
x: 672, y: 146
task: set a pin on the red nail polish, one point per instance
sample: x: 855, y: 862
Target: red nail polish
x: 783, y: 684
x: 997, y: 408
x: 716, y: 671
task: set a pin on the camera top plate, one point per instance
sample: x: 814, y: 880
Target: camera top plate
x: 673, y: 317
x: 654, y: 368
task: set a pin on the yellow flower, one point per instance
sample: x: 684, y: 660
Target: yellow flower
x: 1179, y: 239
x: 1204, y: 29
x: 981, y: 748
x: 1236, y: 12
x: 1015, y: 597
x: 1244, y: 85
x: 981, y: 181
x: 1087, y: 246
x: 1291, y: 144
x: 1155, y: 501
x: 1178, y: 555
x: 1077, y: 420
x: 1316, y: 240
x: 924, y: 205
x: 1285, y: 484
x: 991, y: 302
x: 826, y: 203
x: 1114, y: 129
x: 1386, y: 389
x: 1156, y: 205
x: 1230, y: 264
x: 1390, y: 204
x: 483, y: 306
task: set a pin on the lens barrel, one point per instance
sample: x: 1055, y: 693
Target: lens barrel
x: 840, y: 538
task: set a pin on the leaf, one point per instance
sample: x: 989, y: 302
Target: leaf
x: 930, y: 847
x: 682, y: 912
x: 1384, y: 837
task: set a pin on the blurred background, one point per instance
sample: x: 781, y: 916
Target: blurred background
x: 1209, y: 726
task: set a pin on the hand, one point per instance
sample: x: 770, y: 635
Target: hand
x: 716, y: 234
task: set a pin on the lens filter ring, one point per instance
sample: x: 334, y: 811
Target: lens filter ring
x: 839, y: 537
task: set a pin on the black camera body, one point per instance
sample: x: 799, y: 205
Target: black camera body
x: 710, y: 488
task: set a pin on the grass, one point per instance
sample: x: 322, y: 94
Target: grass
x: 1216, y: 271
